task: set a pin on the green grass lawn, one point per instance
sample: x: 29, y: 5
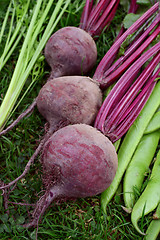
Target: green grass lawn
x: 81, y: 219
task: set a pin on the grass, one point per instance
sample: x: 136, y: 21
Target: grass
x: 81, y: 219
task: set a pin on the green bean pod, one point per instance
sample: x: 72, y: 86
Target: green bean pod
x: 154, y: 124
x: 150, y: 197
x: 154, y: 227
x: 138, y: 166
x: 130, y: 142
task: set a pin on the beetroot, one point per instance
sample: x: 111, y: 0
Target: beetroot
x: 78, y: 161
x: 63, y: 101
x: 69, y: 100
x: 70, y: 51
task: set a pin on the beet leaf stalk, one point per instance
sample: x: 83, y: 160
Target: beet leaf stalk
x: 99, y: 16
x: 108, y: 72
x: 29, y: 53
x: 128, y: 96
x: 131, y: 54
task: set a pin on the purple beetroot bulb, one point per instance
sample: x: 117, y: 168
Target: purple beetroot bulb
x: 69, y: 100
x: 70, y: 51
x: 77, y: 161
x: 80, y: 160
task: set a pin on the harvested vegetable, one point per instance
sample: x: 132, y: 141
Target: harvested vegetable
x: 125, y: 101
x: 138, y: 167
x: 69, y: 100
x: 107, y: 71
x: 145, y: 82
x: 78, y: 161
x: 136, y: 105
x: 70, y: 51
x: 154, y: 123
x: 123, y: 112
x: 127, y: 98
x: 154, y: 227
x: 150, y: 198
x: 41, y: 208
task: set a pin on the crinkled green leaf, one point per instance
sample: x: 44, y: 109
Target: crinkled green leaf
x: 130, y: 19
x: 11, y: 220
x: 20, y: 220
x: 4, y: 218
x: 19, y: 228
x: 6, y: 227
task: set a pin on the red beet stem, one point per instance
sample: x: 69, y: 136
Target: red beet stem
x: 126, y: 107
x: 123, y: 128
x: 104, y: 21
x: 129, y: 51
x: 133, y: 43
x: 122, y: 86
x: 129, y: 109
x: 118, y: 72
x: 97, y: 17
x: 44, y: 202
x: 27, y: 112
x: 85, y: 14
x: 133, y: 6
x: 107, y: 60
x: 94, y: 16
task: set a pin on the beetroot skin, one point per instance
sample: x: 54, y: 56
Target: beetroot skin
x: 78, y: 161
x: 69, y: 100
x: 70, y: 51
x: 86, y: 160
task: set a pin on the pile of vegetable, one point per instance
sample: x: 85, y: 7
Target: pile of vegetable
x: 67, y: 100
x: 69, y: 51
x: 79, y: 160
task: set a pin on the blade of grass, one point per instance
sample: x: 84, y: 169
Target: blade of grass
x: 5, y: 22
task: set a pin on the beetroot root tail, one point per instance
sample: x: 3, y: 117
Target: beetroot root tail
x: 28, y: 111
x: 30, y: 162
